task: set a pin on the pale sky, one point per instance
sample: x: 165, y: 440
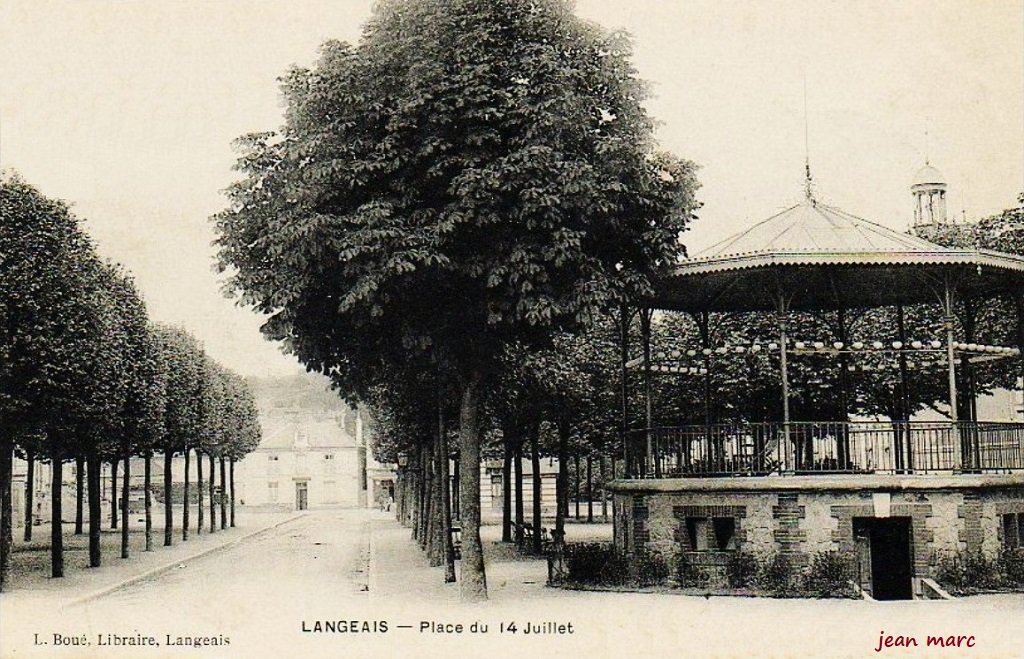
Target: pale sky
x: 128, y: 110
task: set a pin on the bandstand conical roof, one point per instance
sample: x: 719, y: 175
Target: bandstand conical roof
x: 817, y: 256
x: 817, y: 228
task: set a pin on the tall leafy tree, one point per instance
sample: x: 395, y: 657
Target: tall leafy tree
x: 244, y: 429
x: 154, y: 375
x: 98, y: 428
x: 139, y: 423
x: 1005, y: 232
x: 52, y: 350
x: 472, y: 173
x: 184, y: 361
x: 998, y: 320
x: 215, y: 408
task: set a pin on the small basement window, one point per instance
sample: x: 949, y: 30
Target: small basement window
x: 1013, y: 530
x: 725, y: 531
x: 711, y: 533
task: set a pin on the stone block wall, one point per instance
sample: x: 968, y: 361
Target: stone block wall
x: 993, y: 508
x: 944, y: 523
x: 657, y: 522
x: 803, y: 522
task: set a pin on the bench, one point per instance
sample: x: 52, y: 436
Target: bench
x: 528, y: 533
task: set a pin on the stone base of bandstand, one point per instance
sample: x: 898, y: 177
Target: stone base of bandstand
x: 801, y: 516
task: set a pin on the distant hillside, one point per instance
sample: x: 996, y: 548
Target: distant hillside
x: 306, y: 392
x: 306, y: 395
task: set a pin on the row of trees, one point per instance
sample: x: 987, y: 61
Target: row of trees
x: 559, y: 401
x: 86, y: 377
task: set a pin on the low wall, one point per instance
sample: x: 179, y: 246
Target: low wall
x: 800, y: 516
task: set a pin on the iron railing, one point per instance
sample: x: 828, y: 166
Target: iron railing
x: 802, y: 447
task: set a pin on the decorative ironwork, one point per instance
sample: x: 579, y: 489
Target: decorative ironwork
x: 801, y: 447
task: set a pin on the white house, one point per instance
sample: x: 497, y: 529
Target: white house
x: 313, y: 452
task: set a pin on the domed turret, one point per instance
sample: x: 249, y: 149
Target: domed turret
x: 929, y: 191
x: 928, y: 175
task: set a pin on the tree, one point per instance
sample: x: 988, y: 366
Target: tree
x: 155, y: 379
x: 183, y: 359
x: 31, y: 445
x: 215, y: 405
x: 473, y: 173
x: 574, y: 380
x: 139, y: 423
x: 98, y: 429
x: 52, y: 344
x: 1005, y: 232
x: 410, y: 408
x: 994, y: 321
x: 244, y: 432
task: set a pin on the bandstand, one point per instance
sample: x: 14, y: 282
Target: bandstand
x: 894, y: 494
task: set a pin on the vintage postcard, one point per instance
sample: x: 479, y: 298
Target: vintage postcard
x: 511, y: 328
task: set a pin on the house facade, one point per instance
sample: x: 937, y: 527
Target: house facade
x: 314, y: 451
x: 492, y: 493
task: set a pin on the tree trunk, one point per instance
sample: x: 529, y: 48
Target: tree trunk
x: 6, y: 509
x: 223, y: 494
x: 79, y: 494
x: 424, y: 497
x: 421, y: 519
x: 93, y: 467
x: 576, y: 486
x: 407, y: 499
x: 506, y: 492
x: 126, y: 479
x: 213, y: 508
x: 56, y: 511
x: 231, y: 475
x: 399, y: 484
x: 590, y: 487
x: 410, y: 491
x: 437, y: 526
x: 604, y: 492
x: 474, y: 579
x: 426, y: 529
x: 518, y: 465
x: 199, y: 493
x: 402, y: 504
x: 446, y: 505
x: 147, y: 484
x: 416, y: 485
x: 535, y: 464
x: 562, y: 485
x: 168, y: 512
x: 113, y: 493
x: 457, y: 481
x: 184, y: 499
x: 30, y: 486
x: 612, y: 475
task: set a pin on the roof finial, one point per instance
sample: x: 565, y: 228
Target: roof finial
x: 808, y: 181
x: 927, y: 155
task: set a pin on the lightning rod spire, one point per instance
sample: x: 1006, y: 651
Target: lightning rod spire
x: 808, y: 181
